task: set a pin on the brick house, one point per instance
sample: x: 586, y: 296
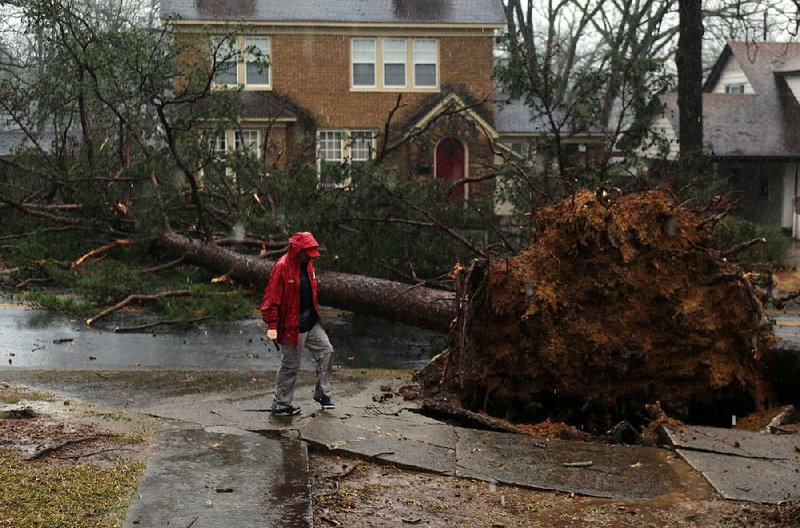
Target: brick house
x: 406, y: 82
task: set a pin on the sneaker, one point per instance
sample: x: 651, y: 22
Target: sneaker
x: 325, y: 402
x: 286, y: 411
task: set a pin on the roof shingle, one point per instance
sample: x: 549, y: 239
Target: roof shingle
x: 764, y: 124
x: 474, y: 12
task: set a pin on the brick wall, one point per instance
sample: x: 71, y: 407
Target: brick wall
x: 315, y: 71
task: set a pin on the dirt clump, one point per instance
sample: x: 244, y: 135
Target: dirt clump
x: 613, y: 306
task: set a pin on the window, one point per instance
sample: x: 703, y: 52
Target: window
x: 361, y: 145
x: 256, y: 71
x: 426, y: 54
x: 331, y: 148
x: 225, y: 59
x: 220, y: 145
x: 363, y: 55
x: 403, y: 63
x: 394, y: 62
x: 339, y: 149
x: 247, y: 140
x: 242, y: 61
x: 734, y: 88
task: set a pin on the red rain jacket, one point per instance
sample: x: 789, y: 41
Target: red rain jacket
x: 280, y: 307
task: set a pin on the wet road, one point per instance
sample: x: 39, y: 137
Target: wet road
x: 40, y: 339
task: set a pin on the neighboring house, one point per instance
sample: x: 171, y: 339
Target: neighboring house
x: 751, y: 124
x: 406, y: 81
x: 521, y: 132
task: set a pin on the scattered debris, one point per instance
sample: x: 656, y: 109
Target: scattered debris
x: 583, y: 464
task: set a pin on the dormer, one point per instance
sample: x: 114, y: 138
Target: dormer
x: 728, y: 77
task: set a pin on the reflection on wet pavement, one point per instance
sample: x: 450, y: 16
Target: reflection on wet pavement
x: 40, y: 339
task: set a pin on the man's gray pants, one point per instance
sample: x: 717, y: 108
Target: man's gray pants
x: 316, y: 340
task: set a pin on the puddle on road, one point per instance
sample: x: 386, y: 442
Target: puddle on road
x: 40, y: 339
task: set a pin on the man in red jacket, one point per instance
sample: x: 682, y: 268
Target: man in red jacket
x: 291, y: 312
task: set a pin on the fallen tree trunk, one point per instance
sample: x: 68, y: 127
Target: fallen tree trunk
x: 420, y: 306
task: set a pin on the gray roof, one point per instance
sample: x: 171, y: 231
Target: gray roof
x: 477, y: 12
x: 514, y: 117
x: 762, y: 125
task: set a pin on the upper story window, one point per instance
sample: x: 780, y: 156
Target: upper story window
x: 394, y: 63
x: 225, y: 59
x: 404, y: 64
x: 363, y: 59
x: 426, y: 59
x: 242, y: 60
x: 734, y: 88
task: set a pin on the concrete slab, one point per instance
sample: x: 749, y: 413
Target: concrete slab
x: 742, y: 465
x: 379, y: 441
x: 620, y: 472
x: 735, y: 442
x: 747, y: 479
x: 223, y: 477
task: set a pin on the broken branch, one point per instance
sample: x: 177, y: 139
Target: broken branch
x: 162, y: 267
x: 102, y: 249
x: 135, y: 298
x: 741, y: 247
x: 147, y: 326
x: 42, y: 452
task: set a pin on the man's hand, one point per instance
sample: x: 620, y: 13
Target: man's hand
x: 272, y: 334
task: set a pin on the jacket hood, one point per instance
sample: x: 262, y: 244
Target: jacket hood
x: 300, y: 241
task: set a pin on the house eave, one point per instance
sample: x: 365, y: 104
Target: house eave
x: 321, y: 24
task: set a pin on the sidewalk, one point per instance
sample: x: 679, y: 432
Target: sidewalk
x: 366, y: 425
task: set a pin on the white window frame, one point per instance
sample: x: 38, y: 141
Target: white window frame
x: 247, y: 55
x: 416, y: 62
x: 239, y: 144
x: 410, y: 66
x: 345, y: 145
x: 374, y: 63
x: 385, y: 62
x: 240, y: 47
x: 331, y: 141
x: 220, y: 148
x: 219, y: 50
x: 370, y: 147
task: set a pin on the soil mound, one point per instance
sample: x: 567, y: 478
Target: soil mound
x: 613, y: 306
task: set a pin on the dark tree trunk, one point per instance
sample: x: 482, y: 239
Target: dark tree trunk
x: 690, y: 78
x: 426, y: 307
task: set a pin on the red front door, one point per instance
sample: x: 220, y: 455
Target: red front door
x: 450, y: 164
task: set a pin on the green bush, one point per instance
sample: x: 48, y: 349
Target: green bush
x: 733, y: 231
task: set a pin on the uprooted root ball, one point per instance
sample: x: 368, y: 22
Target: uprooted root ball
x: 611, y: 307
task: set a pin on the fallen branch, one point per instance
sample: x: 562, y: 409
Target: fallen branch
x: 102, y: 249
x: 147, y: 326
x: 587, y: 463
x: 162, y: 267
x: 42, y: 452
x: 741, y: 247
x: 780, y: 302
x: 35, y: 280
x: 135, y: 298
